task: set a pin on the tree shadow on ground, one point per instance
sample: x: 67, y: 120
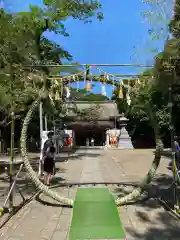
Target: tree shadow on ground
x: 25, y: 184
x: 80, y: 156
x: 151, y: 220
x: 77, y: 155
x: 160, y: 227
x: 65, y: 155
x: 28, y: 190
x: 161, y: 187
x: 166, y: 153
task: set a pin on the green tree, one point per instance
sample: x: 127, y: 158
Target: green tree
x: 26, y: 42
x: 23, y: 43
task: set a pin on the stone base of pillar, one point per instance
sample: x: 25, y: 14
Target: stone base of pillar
x: 125, y: 140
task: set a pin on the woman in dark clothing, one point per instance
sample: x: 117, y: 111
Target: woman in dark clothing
x: 49, y: 163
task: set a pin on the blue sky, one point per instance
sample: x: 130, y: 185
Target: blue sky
x: 121, y: 37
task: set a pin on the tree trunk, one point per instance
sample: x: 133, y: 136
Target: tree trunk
x: 27, y: 164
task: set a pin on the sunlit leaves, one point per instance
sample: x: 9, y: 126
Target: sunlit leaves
x: 158, y: 16
x: 22, y: 43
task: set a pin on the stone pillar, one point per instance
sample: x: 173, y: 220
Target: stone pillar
x: 107, y: 139
x: 125, y: 140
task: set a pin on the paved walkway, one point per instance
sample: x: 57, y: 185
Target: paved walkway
x: 43, y: 218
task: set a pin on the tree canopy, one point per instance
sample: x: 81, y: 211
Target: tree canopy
x: 24, y: 43
x: 154, y: 94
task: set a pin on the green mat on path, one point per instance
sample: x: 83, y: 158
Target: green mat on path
x: 95, y: 216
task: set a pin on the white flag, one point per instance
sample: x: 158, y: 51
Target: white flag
x: 67, y: 92
x: 128, y: 98
x: 56, y: 83
x: 138, y: 81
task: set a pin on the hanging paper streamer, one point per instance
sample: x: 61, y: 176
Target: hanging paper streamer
x: 67, y: 89
x: 57, y: 90
x: 51, y: 98
x: 88, y: 86
x: 77, y: 86
x: 77, y: 82
x: 107, y: 77
x: 86, y: 72
x: 85, y: 76
x: 121, y: 91
x: 104, y: 90
x: 128, y: 99
x: 61, y: 89
x: 56, y: 83
x: 57, y: 96
x: 113, y: 87
x: 67, y: 92
x: 89, y: 83
x: 138, y: 81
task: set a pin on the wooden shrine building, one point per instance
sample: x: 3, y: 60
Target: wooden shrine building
x: 90, y: 120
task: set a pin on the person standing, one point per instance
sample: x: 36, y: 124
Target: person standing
x: 49, y: 151
x: 92, y: 141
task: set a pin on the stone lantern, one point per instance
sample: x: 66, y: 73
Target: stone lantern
x: 123, y: 121
x: 125, y: 140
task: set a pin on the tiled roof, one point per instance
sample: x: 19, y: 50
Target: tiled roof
x: 106, y: 110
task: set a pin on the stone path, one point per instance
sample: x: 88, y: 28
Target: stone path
x: 43, y: 218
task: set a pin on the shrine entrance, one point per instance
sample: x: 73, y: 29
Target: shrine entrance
x: 84, y: 132
x: 93, y: 125
x: 83, y: 138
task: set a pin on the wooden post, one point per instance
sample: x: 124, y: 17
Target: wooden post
x: 45, y: 119
x: 11, y: 167
x: 41, y: 133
